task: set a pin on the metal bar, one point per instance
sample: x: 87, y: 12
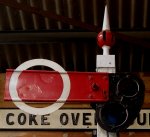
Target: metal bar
x: 145, y: 13
x: 51, y: 50
x: 46, y: 19
x: 58, y: 13
x: 29, y: 55
x: 142, y: 60
x: 95, y: 12
x: 105, y: 63
x: 82, y: 10
x: 86, y: 57
x: 10, y: 19
x: 7, y: 55
x: 132, y: 17
x: 69, y: 5
x: 120, y: 13
x: 18, y: 53
x: 40, y: 53
x: 1, y: 23
x: 134, y: 37
x: 131, y: 59
x: 63, y: 54
x: 22, y: 19
x: 119, y: 58
x: 47, y: 86
x: 43, y: 37
x: 35, y: 24
x: 74, y: 55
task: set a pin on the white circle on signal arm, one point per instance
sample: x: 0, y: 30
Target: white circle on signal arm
x: 39, y: 111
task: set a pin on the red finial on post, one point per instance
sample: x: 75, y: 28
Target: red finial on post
x: 105, y: 38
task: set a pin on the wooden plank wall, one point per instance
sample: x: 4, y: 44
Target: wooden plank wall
x: 4, y: 104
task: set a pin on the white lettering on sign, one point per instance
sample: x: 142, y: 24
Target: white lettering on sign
x: 61, y: 119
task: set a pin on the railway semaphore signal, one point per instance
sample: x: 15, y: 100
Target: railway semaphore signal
x: 118, y: 96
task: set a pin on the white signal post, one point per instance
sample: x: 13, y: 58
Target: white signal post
x: 105, y: 62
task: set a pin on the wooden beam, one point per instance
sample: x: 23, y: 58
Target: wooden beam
x: 43, y: 37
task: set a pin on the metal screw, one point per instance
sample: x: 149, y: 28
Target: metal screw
x: 95, y: 86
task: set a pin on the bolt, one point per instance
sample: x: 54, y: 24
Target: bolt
x: 95, y: 86
x: 105, y: 77
x: 105, y: 94
x: 90, y: 96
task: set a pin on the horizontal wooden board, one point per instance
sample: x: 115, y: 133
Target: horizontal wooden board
x: 62, y: 119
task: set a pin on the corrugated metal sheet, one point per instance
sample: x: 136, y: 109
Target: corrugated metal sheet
x: 124, y: 14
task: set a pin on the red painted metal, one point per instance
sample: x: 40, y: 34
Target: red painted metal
x: 105, y: 37
x: 47, y: 86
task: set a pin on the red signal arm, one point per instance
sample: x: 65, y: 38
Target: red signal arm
x: 46, y: 86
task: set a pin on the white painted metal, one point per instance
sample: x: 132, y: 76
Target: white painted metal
x: 105, y: 50
x: 106, y: 25
x: 105, y: 63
